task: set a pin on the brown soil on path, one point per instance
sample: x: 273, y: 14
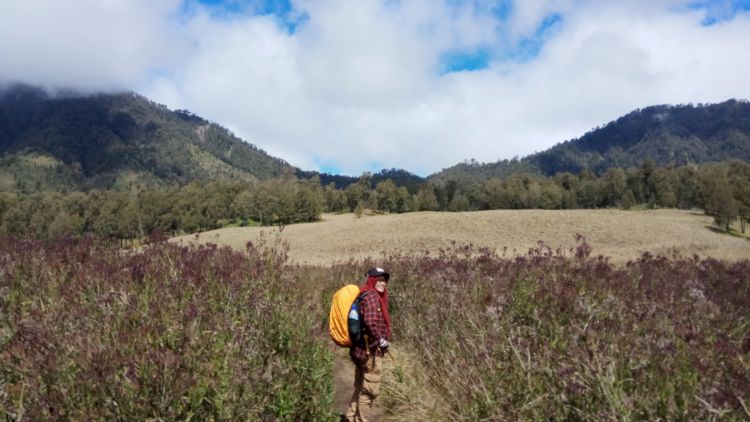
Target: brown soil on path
x: 406, y: 392
x: 620, y: 235
x: 343, y: 385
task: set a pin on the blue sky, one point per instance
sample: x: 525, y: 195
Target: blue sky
x: 281, y: 10
x: 471, y: 58
x: 719, y: 11
x: 351, y: 86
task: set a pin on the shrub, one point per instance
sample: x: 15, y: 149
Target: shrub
x: 88, y: 331
x: 172, y: 332
x: 566, y: 335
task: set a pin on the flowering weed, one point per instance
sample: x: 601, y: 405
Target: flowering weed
x: 89, y: 332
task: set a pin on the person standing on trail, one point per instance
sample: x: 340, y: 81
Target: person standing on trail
x: 368, y: 354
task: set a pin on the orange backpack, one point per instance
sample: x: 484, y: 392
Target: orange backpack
x: 338, y: 325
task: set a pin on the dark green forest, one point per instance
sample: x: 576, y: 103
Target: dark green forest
x: 721, y: 190
x: 71, y: 142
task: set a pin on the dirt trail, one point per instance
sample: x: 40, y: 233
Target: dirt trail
x: 343, y: 384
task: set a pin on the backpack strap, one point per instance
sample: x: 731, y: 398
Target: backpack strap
x: 362, y: 319
x: 360, y: 296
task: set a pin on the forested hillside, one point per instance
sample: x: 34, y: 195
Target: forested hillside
x: 125, y: 141
x: 668, y: 135
x: 116, y: 141
x: 121, y: 166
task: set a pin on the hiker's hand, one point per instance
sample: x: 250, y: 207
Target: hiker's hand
x: 383, y: 343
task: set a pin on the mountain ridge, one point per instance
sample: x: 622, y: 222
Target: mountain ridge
x: 669, y: 135
x: 72, y: 141
x: 107, y: 141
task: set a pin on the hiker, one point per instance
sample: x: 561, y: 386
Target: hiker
x: 368, y: 354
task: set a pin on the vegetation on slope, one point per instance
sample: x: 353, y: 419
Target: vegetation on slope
x: 668, y: 135
x: 121, y: 141
x: 116, y: 141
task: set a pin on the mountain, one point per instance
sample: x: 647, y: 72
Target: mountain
x: 668, y: 135
x: 398, y: 176
x: 69, y: 141
x: 116, y: 141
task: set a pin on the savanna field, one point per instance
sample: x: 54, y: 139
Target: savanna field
x: 646, y: 318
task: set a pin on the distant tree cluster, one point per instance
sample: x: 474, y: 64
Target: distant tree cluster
x: 722, y: 190
x: 192, y: 208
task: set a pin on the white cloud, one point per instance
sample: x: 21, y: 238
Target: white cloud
x: 89, y: 44
x: 359, y: 83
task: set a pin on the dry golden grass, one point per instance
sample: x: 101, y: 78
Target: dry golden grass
x: 620, y: 235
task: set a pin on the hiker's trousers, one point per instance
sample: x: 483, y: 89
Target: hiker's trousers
x: 366, y: 388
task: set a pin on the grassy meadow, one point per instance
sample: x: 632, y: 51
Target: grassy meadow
x: 529, y: 332
x: 619, y: 235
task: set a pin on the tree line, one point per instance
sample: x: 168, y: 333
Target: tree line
x: 721, y: 190
x: 192, y: 208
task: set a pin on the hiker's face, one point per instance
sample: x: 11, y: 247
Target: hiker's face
x: 381, y: 284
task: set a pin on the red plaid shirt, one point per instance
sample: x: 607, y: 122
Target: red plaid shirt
x: 374, y: 328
